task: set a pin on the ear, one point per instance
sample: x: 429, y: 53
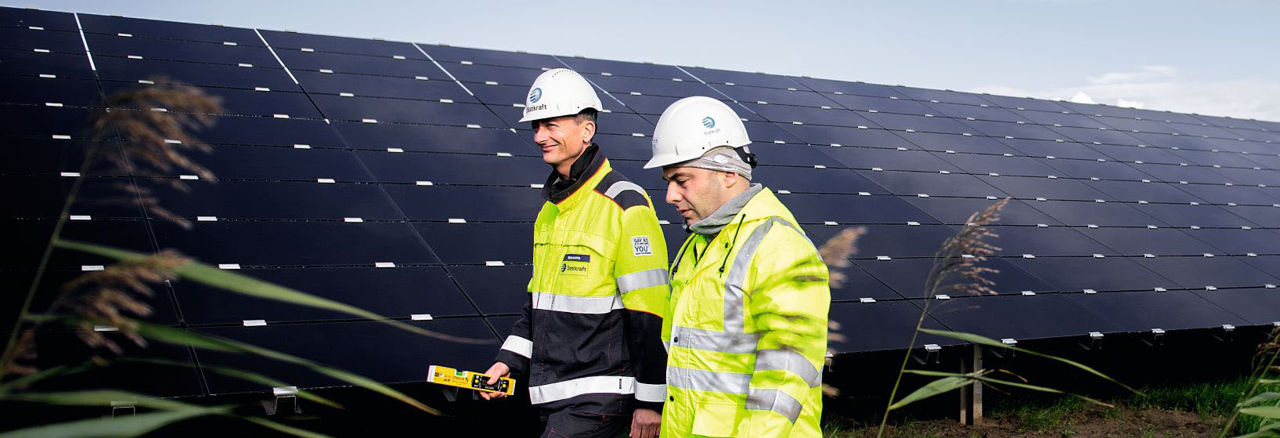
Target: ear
x: 729, y: 179
x: 588, y: 131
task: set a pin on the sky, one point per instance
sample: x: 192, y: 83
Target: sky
x: 1206, y: 57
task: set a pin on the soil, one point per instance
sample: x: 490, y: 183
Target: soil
x: 1122, y: 422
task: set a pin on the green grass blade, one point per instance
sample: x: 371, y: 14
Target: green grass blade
x: 983, y: 340
x: 284, y: 428
x: 1267, y: 430
x: 102, y: 397
x: 243, y: 284
x: 1268, y: 381
x: 936, y: 387
x: 181, y: 337
x: 132, y: 425
x: 1263, y: 397
x: 1272, y: 412
x: 242, y: 375
x: 60, y: 370
x: 985, y: 379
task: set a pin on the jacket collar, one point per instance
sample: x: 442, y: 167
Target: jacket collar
x: 726, y: 214
x: 557, y: 189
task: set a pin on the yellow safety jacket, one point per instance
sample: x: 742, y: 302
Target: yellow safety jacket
x: 746, y: 328
x: 589, y: 333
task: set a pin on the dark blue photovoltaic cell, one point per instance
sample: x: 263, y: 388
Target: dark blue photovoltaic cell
x: 455, y: 55
x: 849, y: 136
x: 1257, y: 306
x: 296, y: 243
x: 39, y: 91
x: 474, y: 243
x: 1080, y: 273
x: 1204, y: 272
x: 1011, y: 166
x: 495, y: 289
x: 1052, y: 148
x: 853, y: 209
x: 858, y: 284
x: 1179, y: 215
x: 473, y: 203
x: 245, y: 102
x: 1143, y: 311
x: 1238, y: 241
x: 479, y: 77
x: 1081, y: 213
x: 205, y: 75
x: 893, y: 321
x: 348, y: 346
x: 27, y: 240
x: 958, y: 143
x: 1135, y: 242
x: 454, y: 168
x: 630, y: 69
x: 283, y: 41
x: 166, y: 29
x: 974, y: 112
x: 906, y: 276
x: 137, y: 377
x: 269, y: 131
x: 25, y: 62
x: 274, y: 200
x: 278, y: 163
x: 957, y: 210
x: 941, y: 96
x: 837, y: 88
x: 801, y: 179
x: 880, y: 104
x: 25, y: 38
x: 44, y: 196
x: 195, y: 51
x: 430, y: 138
x: 1015, y: 241
x: 890, y: 159
x: 1020, y: 318
x: 391, y: 292
x: 722, y: 78
x: 931, y: 183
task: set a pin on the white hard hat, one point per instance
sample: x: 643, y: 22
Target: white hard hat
x: 692, y: 126
x: 559, y: 92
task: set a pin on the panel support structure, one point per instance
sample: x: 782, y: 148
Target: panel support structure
x: 971, y: 396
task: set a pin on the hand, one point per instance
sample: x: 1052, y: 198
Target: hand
x: 645, y: 423
x: 498, y: 369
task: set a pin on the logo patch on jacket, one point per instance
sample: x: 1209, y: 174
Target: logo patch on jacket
x: 640, y: 246
x: 575, y: 264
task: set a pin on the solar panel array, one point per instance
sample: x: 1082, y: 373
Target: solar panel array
x: 393, y: 176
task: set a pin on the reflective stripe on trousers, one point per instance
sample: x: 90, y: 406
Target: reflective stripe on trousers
x: 583, y: 385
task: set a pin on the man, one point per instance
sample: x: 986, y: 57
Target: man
x: 589, y: 336
x: 747, y: 323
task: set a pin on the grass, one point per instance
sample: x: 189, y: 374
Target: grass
x: 1212, y: 402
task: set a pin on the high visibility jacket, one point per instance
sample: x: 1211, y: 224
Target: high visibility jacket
x: 746, y: 329
x: 590, y: 331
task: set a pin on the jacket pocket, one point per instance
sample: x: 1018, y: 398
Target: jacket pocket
x: 716, y: 419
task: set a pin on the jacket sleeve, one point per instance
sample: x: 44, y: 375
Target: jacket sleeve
x: 640, y: 270
x: 789, y: 301
x: 518, y: 347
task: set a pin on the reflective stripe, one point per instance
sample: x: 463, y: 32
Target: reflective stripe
x: 576, y: 304
x: 622, y: 186
x: 650, y: 393
x: 518, y: 345
x: 790, y: 361
x: 699, y: 339
x: 642, y: 279
x: 774, y: 400
x: 731, y: 383
x: 584, y: 385
x: 733, y: 292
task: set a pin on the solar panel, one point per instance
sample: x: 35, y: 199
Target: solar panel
x: 394, y: 176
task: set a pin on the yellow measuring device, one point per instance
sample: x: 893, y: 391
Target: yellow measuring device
x: 471, y: 380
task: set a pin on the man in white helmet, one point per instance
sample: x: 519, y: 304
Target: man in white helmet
x: 746, y: 326
x: 588, y: 339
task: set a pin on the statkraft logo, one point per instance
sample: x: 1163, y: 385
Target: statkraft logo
x: 708, y: 122
x: 535, y: 95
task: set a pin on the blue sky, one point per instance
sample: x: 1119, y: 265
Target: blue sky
x: 1205, y: 57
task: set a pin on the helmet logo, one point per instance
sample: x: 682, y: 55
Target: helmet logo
x: 708, y: 122
x: 534, y: 95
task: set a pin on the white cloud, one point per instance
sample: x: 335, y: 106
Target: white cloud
x: 1081, y: 97
x: 1163, y: 87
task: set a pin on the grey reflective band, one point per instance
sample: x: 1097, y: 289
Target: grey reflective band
x: 699, y: 339
x: 790, y: 361
x: 733, y: 293
x: 651, y: 393
x: 576, y: 304
x: 700, y: 380
x: 622, y: 186
x: 518, y: 345
x: 642, y: 279
x: 774, y: 400
x: 584, y: 385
